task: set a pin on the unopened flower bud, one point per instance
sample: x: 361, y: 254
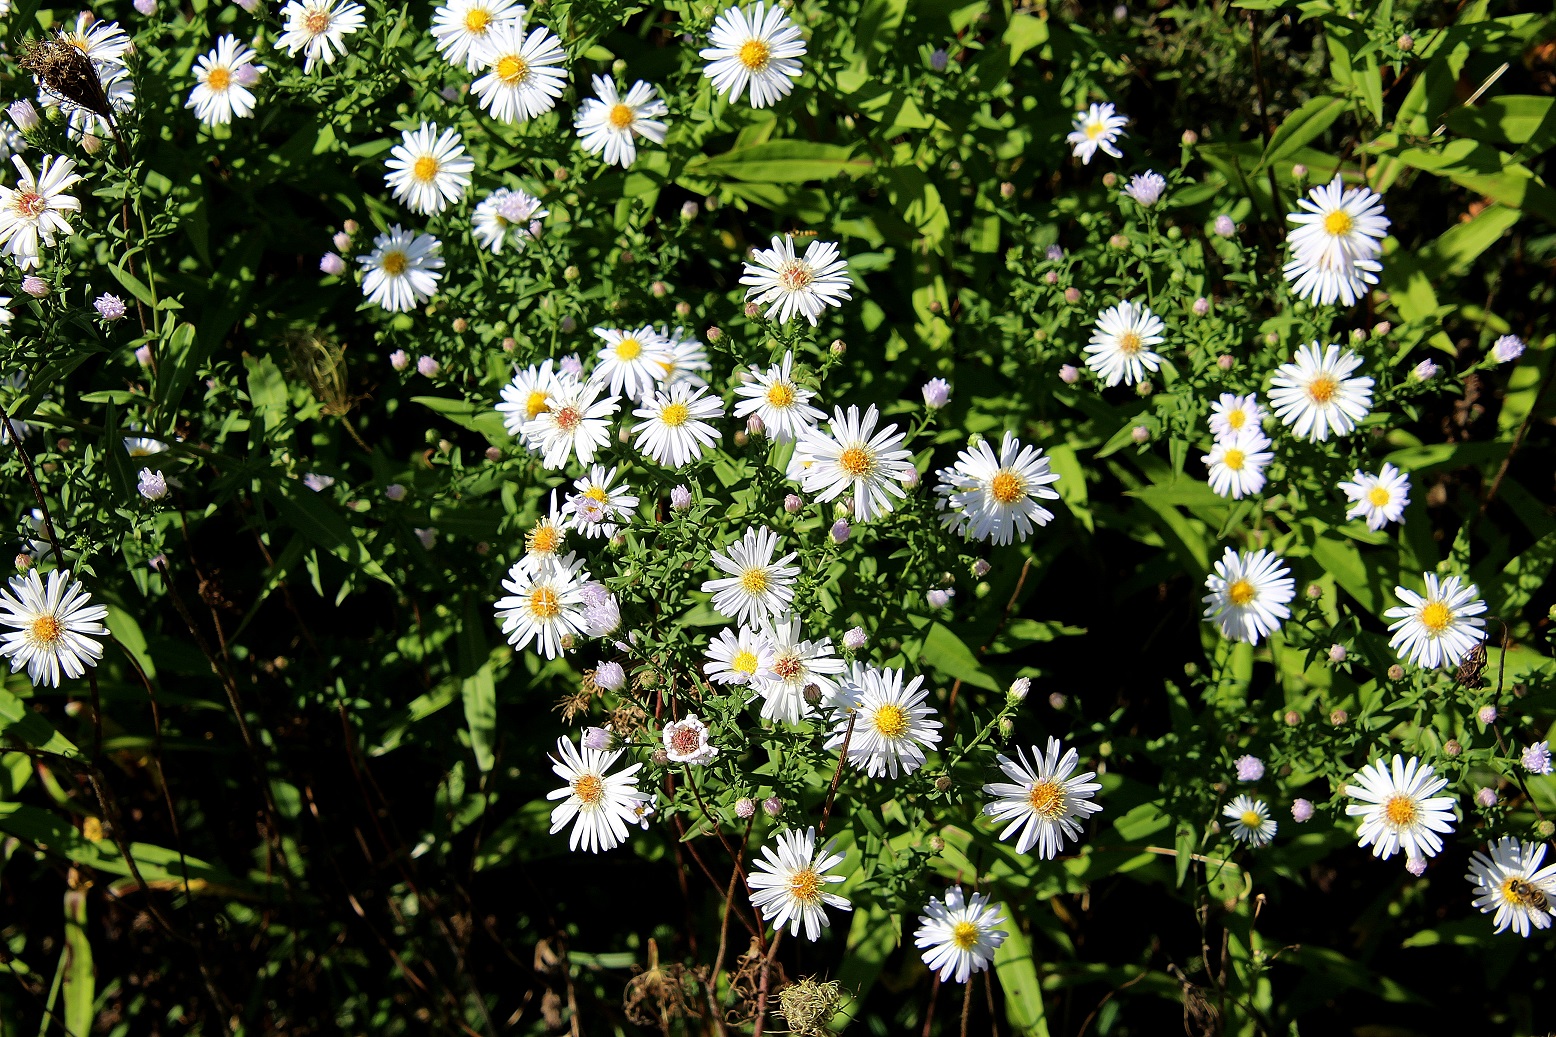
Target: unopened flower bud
x: 1189, y: 138
x: 1452, y: 747
x: 981, y: 568
x: 1109, y: 179
x: 745, y: 808
x: 772, y: 806
x: 1339, y: 717
x: 1018, y: 690
x: 937, y: 392
x: 936, y: 844
x: 332, y: 264
x: 1396, y: 672
x: 596, y: 738
x: 1201, y: 306
x: 1314, y: 592
x: 1299, y: 172
x: 23, y: 561
x: 399, y: 360
x: 1007, y: 190
x: 840, y: 531
x: 680, y: 498
x: 1488, y: 715
x: 1487, y: 798
x: 1140, y: 434
x: 1337, y: 653
x: 109, y: 307
x: 610, y: 676
x: 938, y: 598
x: 1301, y: 811
x: 741, y: 437
x: 909, y: 478
x: 1545, y: 829
x: 1249, y: 768
x: 1226, y: 361
x: 1425, y: 371
x: 792, y: 503
x: 1406, y: 43
x: 1069, y: 374
x: 838, y: 347
x: 659, y: 757
x: 1118, y: 241
x: 151, y: 485
x: 1293, y: 718
x: 1416, y: 866
x: 24, y: 115
x: 1006, y: 726
x: 1072, y: 295
x: 752, y: 311
x: 35, y: 286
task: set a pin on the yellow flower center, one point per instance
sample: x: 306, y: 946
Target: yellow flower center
x: 1400, y: 811
x: 628, y: 349
x: 512, y: 69
x: 788, y: 667
x: 29, y: 204
x: 543, y: 603
x: 1251, y: 819
x: 805, y: 885
x: 394, y: 263
x: 1236, y: 419
x: 780, y: 395
x: 1007, y: 487
x: 796, y: 275
x: 1130, y: 343
x: 674, y: 415
x: 1046, y: 799
x: 1436, y: 617
x: 856, y: 461
x: 219, y: 78
x: 589, y: 788
x: 964, y: 935
x: 45, y: 630
x: 1378, y: 497
x: 425, y: 169
x: 1520, y: 892
x: 597, y: 493
x: 1094, y: 130
x: 317, y: 23
x: 543, y: 539
x: 1338, y: 223
x: 744, y: 662
x: 1234, y: 459
x: 536, y: 403
x: 621, y: 116
x: 477, y: 19
x: 1241, y: 592
x: 1322, y: 389
x: 754, y: 55
x: 568, y: 418
x: 754, y: 580
x: 891, y: 721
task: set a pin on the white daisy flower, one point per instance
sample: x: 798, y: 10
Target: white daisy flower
x: 33, y: 212
x: 991, y: 497
x: 1248, y: 594
x: 892, y: 724
x: 856, y: 459
x: 686, y: 741
x: 143, y: 446
x: 429, y: 170
x: 1380, y: 499
x: 788, y: 883
x: 1439, y: 629
x: 797, y: 664
x: 1237, y: 462
x: 54, y: 630
x: 608, y: 122
x: 686, y: 360
x: 760, y: 47
x: 319, y: 29
x: 104, y: 42
x: 1336, y: 244
x: 1046, y: 805
x: 675, y: 429
x: 631, y: 362
x: 524, y: 74
x: 757, y: 586
x: 402, y: 270
x: 1251, y: 821
x: 545, y: 605
x: 958, y: 937
x: 220, y: 95
x: 598, y: 805
x: 781, y: 403
x: 796, y: 284
x: 524, y: 398
x: 1315, y: 394
x: 462, y: 28
x: 1511, y: 883
x: 1397, y: 808
x: 1120, y: 348
x: 1233, y: 413
x: 576, y: 422
x: 543, y: 541
x: 609, y: 507
x: 505, y: 216
x: 739, y: 657
x: 1097, y: 127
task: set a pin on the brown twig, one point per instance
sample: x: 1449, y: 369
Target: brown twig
x: 837, y: 775
x: 761, y: 989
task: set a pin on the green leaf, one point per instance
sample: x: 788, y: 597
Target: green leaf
x: 19, y: 722
x: 947, y: 653
x: 780, y: 162
x: 1017, y: 972
x: 134, y: 285
x: 480, y: 697
x: 1302, y: 127
x: 1023, y: 33
x: 467, y: 415
x: 80, y: 979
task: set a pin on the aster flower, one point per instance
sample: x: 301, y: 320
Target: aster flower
x: 1507, y: 348
x: 776, y: 398
x: 143, y: 446
x: 1380, y: 499
x: 54, y: 630
x: 759, y: 47
x: 797, y: 663
x: 1536, y: 758
x: 891, y: 722
x: 675, y: 429
x: 608, y: 122
x: 319, y: 29
x: 855, y: 459
x: 1439, y: 629
x: 1249, y: 594
x: 220, y: 94
x: 1045, y: 805
x: 1316, y: 395
x: 1146, y: 188
x: 1232, y: 413
x: 756, y: 586
x: 631, y: 362
x: 505, y: 216
x: 740, y: 656
x: 104, y: 42
x: 524, y: 398
x: 1237, y: 463
x: 402, y: 271
x: 1097, y: 127
x: 33, y: 212
x: 1336, y: 243
x: 1510, y: 882
x: 463, y: 27
x: 1398, y: 809
x: 543, y: 541
x: 577, y: 422
x: 598, y: 508
x: 524, y: 74
x: 545, y: 604
x: 995, y: 497
x: 686, y: 359
x: 1251, y: 821
x: 1120, y: 347
x: 788, y: 883
x: 959, y: 938
x: 599, y: 805
x: 790, y: 285
x: 686, y: 741
x: 429, y: 170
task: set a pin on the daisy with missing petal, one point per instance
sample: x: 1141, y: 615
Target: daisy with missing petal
x: 1439, y: 629
x: 796, y: 664
x: 1097, y: 127
x: 1251, y: 821
x: 1336, y: 243
x: 54, y: 630
x: 631, y: 361
x: 788, y: 883
x: 891, y: 723
x: 760, y: 47
x: 1380, y: 499
x: 577, y: 422
x: 1120, y: 348
x: 429, y: 170
x: 1236, y: 463
x: 1511, y: 883
x: 776, y: 398
x: 857, y: 460
x: 1046, y: 805
x: 756, y: 586
x: 1398, y: 810
x: 608, y: 122
x: 675, y: 429
x: 793, y: 284
x: 543, y: 541
x: 220, y: 94
x: 33, y: 212
x: 991, y: 497
x: 1233, y: 413
x: 545, y: 605
x: 462, y: 28
x: 612, y: 506
x: 686, y: 741
x: 402, y: 270
x: 739, y: 657
x: 319, y: 29
x: 524, y: 74
x: 505, y: 216
x: 958, y: 938
x: 1248, y: 594
x: 1316, y: 395
x: 686, y: 360
x: 524, y: 398
x: 598, y: 805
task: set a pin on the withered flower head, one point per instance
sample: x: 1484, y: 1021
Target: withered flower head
x: 67, y: 71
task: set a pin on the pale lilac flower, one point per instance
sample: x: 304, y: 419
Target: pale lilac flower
x: 1486, y: 798
x: 1249, y: 768
x: 109, y: 307
x: 792, y: 503
x: 1488, y: 715
x: 1337, y: 653
x: 840, y: 531
x: 1019, y: 689
x: 35, y: 286
x: 1146, y: 188
x: 1416, y: 866
x: 146, y: 7
x: 596, y: 738
x: 1201, y: 306
x: 680, y: 498
x: 1224, y: 226
x: 1301, y: 810
x: 394, y: 491
x: 1507, y: 349
x: 855, y: 639
x: 772, y: 806
x: 937, y: 392
x: 24, y: 115
x: 939, y: 59
x: 428, y: 537
x: 427, y: 367
x: 152, y: 485
x: 1425, y: 371
x: 143, y: 355
x: 332, y: 264
x: 1537, y: 758
x: 1069, y: 374
x: 1054, y: 254
x: 938, y: 598
x: 318, y: 483
x: 342, y: 241
x: 610, y: 676
x: 981, y: 568
x: 399, y: 360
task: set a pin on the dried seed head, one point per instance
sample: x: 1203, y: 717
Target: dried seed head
x: 68, y: 72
